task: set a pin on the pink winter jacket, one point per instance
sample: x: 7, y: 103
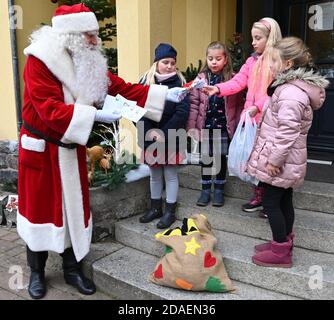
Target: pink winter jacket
x: 282, y: 133
x: 199, y: 103
x: 245, y: 79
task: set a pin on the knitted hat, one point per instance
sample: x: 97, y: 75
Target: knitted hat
x: 74, y: 19
x: 164, y: 50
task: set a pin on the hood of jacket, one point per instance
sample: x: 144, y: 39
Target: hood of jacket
x: 307, y: 80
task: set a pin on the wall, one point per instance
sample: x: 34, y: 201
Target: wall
x: 8, y: 127
x: 35, y: 13
x: 189, y: 25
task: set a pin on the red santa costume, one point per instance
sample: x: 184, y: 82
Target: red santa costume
x: 54, y: 212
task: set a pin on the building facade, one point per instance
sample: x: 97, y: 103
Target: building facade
x: 190, y: 25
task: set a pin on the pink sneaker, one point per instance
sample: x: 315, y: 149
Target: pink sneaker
x: 255, y: 204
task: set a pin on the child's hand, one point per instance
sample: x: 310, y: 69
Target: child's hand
x: 272, y: 171
x: 253, y: 111
x: 210, y: 90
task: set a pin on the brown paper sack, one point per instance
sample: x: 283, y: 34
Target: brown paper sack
x: 191, y: 261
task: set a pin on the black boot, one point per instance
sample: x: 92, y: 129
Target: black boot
x: 154, y: 213
x: 204, y: 198
x: 218, y: 196
x: 73, y: 274
x: 169, y: 216
x: 37, y: 284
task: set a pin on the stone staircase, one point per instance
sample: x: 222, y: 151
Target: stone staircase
x: 121, y: 268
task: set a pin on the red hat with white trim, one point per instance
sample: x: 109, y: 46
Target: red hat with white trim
x: 74, y: 19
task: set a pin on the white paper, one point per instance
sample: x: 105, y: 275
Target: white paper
x: 196, y: 84
x: 129, y: 108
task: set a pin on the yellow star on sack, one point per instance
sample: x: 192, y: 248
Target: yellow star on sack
x: 192, y: 246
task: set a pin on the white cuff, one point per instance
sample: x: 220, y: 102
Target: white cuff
x: 81, y: 125
x: 155, y: 102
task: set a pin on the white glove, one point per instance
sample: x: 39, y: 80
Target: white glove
x: 108, y: 116
x: 176, y: 94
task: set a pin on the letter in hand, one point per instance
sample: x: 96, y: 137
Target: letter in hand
x: 176, y: 94
x: 197, y: 83
x: 112, y: 111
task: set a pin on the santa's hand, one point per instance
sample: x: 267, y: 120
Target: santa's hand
x: 176, y: 94
x: 108, y: 116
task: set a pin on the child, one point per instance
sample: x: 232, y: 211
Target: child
x: 279, y: 156
x: 175, y: 115
x: 256, y: 75
x: 214, y: 113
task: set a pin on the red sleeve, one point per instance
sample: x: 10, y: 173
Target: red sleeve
x: 134, y: 92
x: 46, y: 96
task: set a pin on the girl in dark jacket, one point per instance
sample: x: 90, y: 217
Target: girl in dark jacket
x: 163, y: 151
x: 212, y: 121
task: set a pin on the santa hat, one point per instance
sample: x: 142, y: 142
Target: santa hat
x: 74, y: 19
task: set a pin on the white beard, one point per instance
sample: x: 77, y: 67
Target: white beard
x: 90, y: 66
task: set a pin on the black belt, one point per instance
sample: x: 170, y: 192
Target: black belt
x: 49, y: 139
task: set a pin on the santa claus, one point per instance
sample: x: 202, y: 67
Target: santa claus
x: 66, y: 78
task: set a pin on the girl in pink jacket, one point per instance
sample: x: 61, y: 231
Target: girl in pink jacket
x: 278, y: 159
x: 212, y: 120
x: 255, y: 75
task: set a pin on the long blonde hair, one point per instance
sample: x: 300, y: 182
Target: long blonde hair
x: 228, y: 68
x: 149, y: 76
x: 271, y: 29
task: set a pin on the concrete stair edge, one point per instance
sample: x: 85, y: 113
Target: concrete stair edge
x: 113, y: 275
x: 314, y: 196
x: 292, y: 281
x: 314, y: 230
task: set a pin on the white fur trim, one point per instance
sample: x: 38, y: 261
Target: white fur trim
x: 75, y: 22
x: 56, y: 58
x: 141, y: 172
x: 32, y: 144
x: 81, y: 124
x: 42, y: 237
x: 155, y: 102
x: 68, y: 98
x: 73, y: 202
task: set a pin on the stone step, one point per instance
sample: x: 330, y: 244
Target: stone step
x: 125, y: 274
x: 314, y: 230
x: 237, y: 251
x: 313, y: 196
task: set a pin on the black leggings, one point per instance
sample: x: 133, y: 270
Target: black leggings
x: 278, y: 205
